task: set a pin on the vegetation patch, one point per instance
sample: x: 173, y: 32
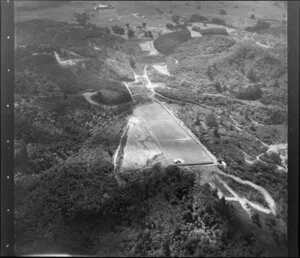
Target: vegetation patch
x: 168, y: 42
x: 213, y: 31
x: 259, y: 26
x: 113, y: 93
x: 250, y: 92
x: 246, y: 191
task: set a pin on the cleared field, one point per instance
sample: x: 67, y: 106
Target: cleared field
x: 174, y: 141
x: 163, y: 69
x: 141, y: 148
x: 148, y: 46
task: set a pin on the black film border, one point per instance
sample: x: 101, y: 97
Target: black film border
x: 7, y: 127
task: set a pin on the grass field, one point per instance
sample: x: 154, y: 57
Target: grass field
x: 174, y: 140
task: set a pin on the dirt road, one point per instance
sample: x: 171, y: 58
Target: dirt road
x: 263, y: 191
x: 88, y: 95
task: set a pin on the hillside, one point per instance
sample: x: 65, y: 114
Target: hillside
x: 258, y: 67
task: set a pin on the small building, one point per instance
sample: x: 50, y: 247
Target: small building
x: 102, y: 6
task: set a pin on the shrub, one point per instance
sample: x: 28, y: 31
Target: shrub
x: 197, y: 18
x: 218, y: 87
x: 209, y: 73
x: 260, y: 25
x: 252, y: 92
x: 214, y: 31
x: 82, y: 19
x: 211, y: 120
x: 175, y: 18
x: 170, y: 26
x: 218, y: 21
x: 252, y: 16
x: 180, y: 27
x: 275, y: 157
x: 223, y: 12
x: 148, y: 34
x: 160, y: 12
x: 118, y: 30
x: 252, y: 127
x: 277, y: 117
x: 130, y: 33
x: 190, y: 245
x: 216, y: 132
x: 255, y: 219
x: 166, y: 249
x: 132, y: 63
x: 107, y: 30
x: 251, y: 76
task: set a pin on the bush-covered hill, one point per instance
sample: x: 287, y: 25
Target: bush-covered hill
x: 210, y: 44
x: 246, y: 58
x: 252, y: 65
x: 167, y: 43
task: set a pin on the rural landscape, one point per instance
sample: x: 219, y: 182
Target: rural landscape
x: 151, y: 128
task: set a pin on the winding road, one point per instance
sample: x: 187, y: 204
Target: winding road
x: 264, y: 192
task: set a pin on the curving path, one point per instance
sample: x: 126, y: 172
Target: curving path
x: 88, y: 97
x: 65, y: 63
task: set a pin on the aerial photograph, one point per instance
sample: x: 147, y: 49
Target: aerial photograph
x: 151, y: 128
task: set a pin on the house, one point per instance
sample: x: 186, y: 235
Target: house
x: 102, y: 6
